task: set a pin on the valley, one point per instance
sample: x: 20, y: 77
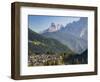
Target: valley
x: 44, y: 51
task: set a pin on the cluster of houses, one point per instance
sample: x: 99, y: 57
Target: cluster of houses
x: 45, y: 60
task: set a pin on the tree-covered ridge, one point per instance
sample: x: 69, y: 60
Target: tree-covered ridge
x: 40, y: 44
x: 77, y: 58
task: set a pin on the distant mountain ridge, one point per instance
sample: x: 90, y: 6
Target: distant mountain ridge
x: 74, y: 35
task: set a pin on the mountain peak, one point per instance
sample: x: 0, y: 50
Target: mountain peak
x: 53, y: 27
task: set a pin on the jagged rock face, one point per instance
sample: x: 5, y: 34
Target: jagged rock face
x: 53, y: 28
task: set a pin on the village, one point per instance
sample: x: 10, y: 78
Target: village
x: 45, y: 60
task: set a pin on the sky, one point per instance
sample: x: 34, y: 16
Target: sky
x: 39, y: 23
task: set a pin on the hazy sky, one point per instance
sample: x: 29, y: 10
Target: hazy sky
x: 39, y: 23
